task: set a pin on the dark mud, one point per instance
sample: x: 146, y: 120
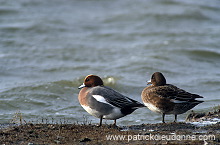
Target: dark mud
x: 91, y: 134
x: 160, y: 133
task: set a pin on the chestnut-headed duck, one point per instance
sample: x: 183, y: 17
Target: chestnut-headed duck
x: 104, y: 102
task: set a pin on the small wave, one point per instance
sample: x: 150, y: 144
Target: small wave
x: 6, y: 10
x: 212, y: 83
x: 194, y: 15
x: 2, y: 55
x: 16, y: 26
x: 202, y: 53
x: 205, y: 53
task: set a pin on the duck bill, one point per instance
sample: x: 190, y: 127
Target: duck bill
x: 149, y: 82
x: 82, y: 86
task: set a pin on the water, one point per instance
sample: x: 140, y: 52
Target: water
x: 48, y: 47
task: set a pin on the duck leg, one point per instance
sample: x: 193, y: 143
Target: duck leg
x: 100, y: 123
x: 175, y: 120
x: 163, y: 116
x: 115, y: 123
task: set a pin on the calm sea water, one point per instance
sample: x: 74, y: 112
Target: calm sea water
x: 48, y: 47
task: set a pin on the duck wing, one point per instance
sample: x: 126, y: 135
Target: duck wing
x: 115, y: 98
x: 172, y: 92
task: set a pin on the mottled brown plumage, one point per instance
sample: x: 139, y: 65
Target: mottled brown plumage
x: 166, y: 98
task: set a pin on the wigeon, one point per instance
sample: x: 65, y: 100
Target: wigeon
x: 104, y: 102
x: 165, y: 98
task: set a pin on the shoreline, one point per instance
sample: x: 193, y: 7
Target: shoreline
x: 200, y: 128
x: 160, y: 133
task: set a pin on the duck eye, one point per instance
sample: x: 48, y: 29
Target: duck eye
x: 87, y: 79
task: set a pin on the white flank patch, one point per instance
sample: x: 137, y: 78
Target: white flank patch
x: 153, y: 108
x: 99, y: 98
